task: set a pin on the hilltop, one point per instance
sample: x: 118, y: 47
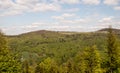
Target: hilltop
x: 105, y: 30
x: 49, y: 32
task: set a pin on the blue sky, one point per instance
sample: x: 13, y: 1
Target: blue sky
x: 20, y: 16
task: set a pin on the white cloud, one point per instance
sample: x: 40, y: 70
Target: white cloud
x: 91, y: 2
x: 117, y: 7
x: 46, y: 7
x: 68, y: 18
x: 39, y: 5
x: 70, y: 1
x: 71, y: 10
x: 63, y: 16
x: 106, y: 19
x: 74, y: 22
x: 29, y: 26
x: 71, y: 18
x: 111, y: 2
x: 14, y: 12
x: 67, y: 1
x: 9, y: 7
x: 4, y: 4
x: 27, y: 2
x: 67, y: 15
x: 33, y: 25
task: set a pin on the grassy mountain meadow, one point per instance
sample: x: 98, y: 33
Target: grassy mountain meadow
x: 61, y: 52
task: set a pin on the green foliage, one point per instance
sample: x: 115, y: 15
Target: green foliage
x: 89, y: 61
x: 47, y: 66
x: 92, y: 60
x: 25, y: 67
x: 113, y: 56
x: 54, y: 52
x: 79, y: 62
x: 8, y: 63
x: 38, y: 47
x: 69, y: 67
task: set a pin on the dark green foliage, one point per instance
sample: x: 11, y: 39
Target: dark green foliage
x: 113, y: 56
x: 25, y: 67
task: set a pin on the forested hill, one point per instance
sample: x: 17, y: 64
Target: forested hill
x: 37, y: 46
x: 116, y: 31
x: 48, y: 32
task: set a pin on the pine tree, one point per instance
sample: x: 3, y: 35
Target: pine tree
x: 47, y: 66
x: 92, y: 60
x: 25, y: 67
x: 70, y: 67
x: 80, y: 63
x: 112, y: 53
x: 38, y: 69
x: 8, y: 64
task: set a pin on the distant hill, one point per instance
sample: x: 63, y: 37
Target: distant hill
x: 48, y: 32
x: 58, y: 33
x: 39, y: 32
x: 105, y: 30
x: 45, y: 33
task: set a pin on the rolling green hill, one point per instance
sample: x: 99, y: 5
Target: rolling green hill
x: 38, y: 45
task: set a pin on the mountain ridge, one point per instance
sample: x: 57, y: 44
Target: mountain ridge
x: 104, y: 30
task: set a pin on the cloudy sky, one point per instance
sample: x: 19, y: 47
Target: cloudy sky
x: 19, y: 16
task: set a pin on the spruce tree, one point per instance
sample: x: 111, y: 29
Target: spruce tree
x: 47, y: 66
x: 112, y: 53
x: 8, y: 64
x: 70, y: 66
x: 92, y: 60
x: 25, y: 67
x: 79, y: 62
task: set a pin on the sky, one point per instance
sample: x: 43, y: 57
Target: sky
x: 20, y: 16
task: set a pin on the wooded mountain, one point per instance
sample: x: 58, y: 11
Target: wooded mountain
x: 39, y: 49
x: 117, y: 31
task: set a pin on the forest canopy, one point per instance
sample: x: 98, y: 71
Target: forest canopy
x: 59, y: 52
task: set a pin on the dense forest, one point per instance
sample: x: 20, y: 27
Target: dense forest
x: 61, y: 52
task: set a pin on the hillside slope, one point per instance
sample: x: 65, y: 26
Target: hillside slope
x: 38, y: 45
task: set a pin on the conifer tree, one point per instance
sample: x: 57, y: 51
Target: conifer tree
x: 80, y: 63
x: 92, y: 60
x: 8, y: 63
x: 47, y: 66
x: 70, y: 66
x: 112, y: 53
x: 25, y: 67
